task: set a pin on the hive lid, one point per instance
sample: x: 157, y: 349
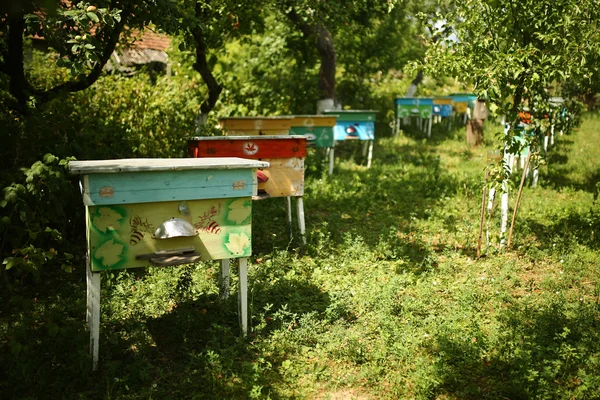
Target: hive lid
x: 161, y: 164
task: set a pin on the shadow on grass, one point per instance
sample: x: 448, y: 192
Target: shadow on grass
x: 537, y: 352
x: 382, y: 204
x: 560, y: 171
x: 569, y: 229
x: 196, y: 350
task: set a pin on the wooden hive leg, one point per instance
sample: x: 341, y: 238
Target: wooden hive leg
x: 370, y: 156
x: 224, y: 279
x: 288, y: 211
x: 301, y: 224
x: 429, y: 127
x: 243, y: 294
x: 365, y: 147
x: 331, y: 158
x: 93, y: 312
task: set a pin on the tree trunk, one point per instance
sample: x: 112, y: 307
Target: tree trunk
x: 13, y: 66
x: 413, y: 85
x: 326, y: 50
x: 202, y: 67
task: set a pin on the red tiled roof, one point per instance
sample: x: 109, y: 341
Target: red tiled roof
x: 152, y: 40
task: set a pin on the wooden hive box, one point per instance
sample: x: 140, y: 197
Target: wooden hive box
x: 354, y: 124
x: 285, y: 155
x: 144, y: 212
x: 255, y: 126
x: 318, y: 129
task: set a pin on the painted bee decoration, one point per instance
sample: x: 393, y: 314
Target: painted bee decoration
x: 207, y: 223
x: 138, y: 229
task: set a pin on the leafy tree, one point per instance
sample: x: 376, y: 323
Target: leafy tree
x: 319, y: 21
x: 84, y: 36
x: 206, y: 27
x: 513, y: 53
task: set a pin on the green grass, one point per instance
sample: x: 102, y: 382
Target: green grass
x: 387, y: 300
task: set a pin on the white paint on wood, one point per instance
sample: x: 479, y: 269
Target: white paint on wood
x: 301, y: 224
x: 224, y: 278
x: 370, y: 155
x: 161, y: 164
x: 243, y: 294
x: 93, y: 312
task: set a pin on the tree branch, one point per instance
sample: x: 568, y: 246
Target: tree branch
x: 202, y: 67
x: 92, y: 77
x: 306, y: 29
x: 13, y: 65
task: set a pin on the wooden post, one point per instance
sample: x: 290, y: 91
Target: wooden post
x: 243, y: 294
x: 370, y: 156
x: 224, y: 278
x: 93, y: 312
x: 331, y: 160
x: 482, y: 214
x: 301, y: 225
x: 429, y: 127
x: 288, y: 211
x: 514, y: 217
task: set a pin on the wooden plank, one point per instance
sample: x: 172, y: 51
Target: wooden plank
x: 286, y: 178
x: 353, y: 115
x: 310, y: 121
x: 149, y: 187
x: 320, y: 136
x: 122, y: 236
x: 363, y: 130
x: 159, y: 164
x: 249, y: 147
x: 256, y: 124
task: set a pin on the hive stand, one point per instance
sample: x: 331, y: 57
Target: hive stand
x: 283, y: 178
x: 419, y: 107
x: 318, y: 130
x: 356, y: 125
x: 165, y: 212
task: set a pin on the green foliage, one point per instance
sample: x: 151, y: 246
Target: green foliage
x: 517, y: 55
x: 36, y: 214
x: 386, y: 301
x: 75, y: 42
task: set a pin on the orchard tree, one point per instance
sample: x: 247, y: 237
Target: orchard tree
x: 319, y: 22
x: 513, y: 53
x: 207, y: 26
x: 83, y: 34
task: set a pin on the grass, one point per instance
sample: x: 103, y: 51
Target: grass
x: 387, y: 300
